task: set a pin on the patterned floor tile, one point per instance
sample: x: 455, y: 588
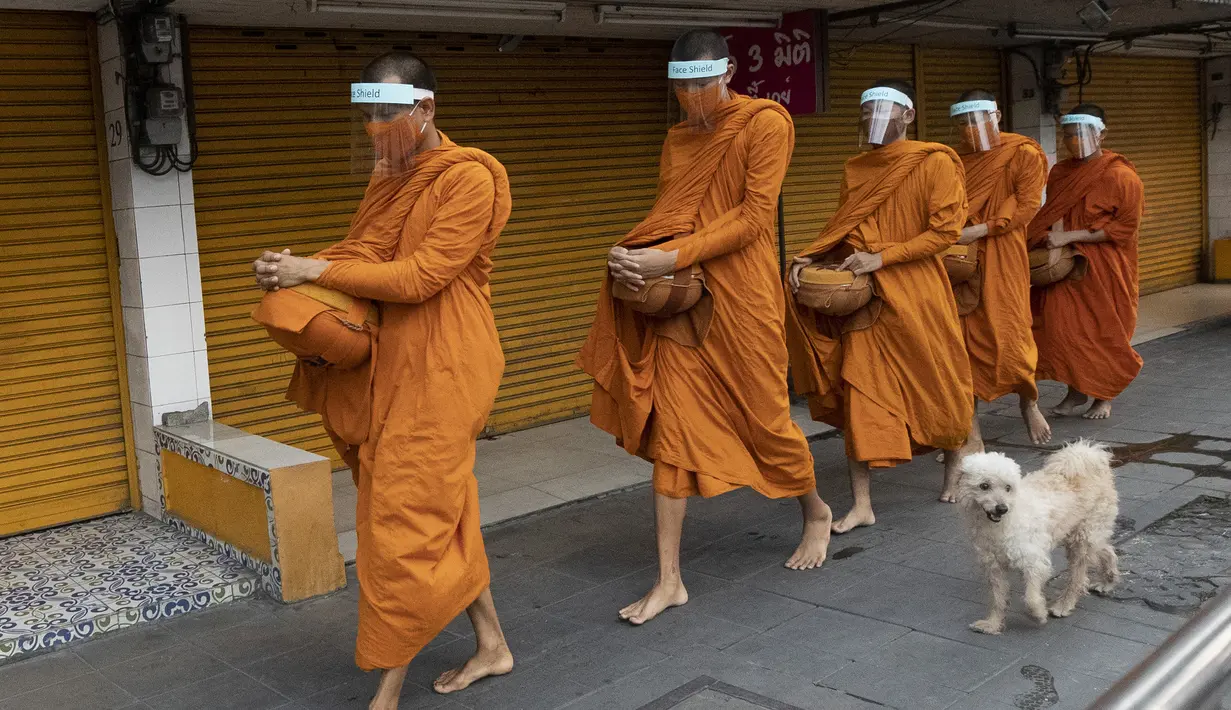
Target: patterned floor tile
x: 83, y: 580
x: 37, y: 600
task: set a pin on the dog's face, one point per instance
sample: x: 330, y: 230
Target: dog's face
x: 989, y: 483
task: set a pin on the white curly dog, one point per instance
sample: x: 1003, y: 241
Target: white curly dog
x: 1016, y: 521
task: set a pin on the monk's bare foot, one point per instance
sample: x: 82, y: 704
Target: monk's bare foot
x: 948, y: 494
x: 953, y: 469
x: 485, y: 662
x: 1072, y: 402
x: 1101, y: 409
x: 390, y: 688
x: 857, y: 518
x: 663, y: 596
x: 814, y: 545
x: 1036, y: 424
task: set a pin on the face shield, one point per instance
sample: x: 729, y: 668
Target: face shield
x: 977, y: 124
x: 884, y: 115
x: 1083, y: 134
x: 387, y: 128
x: 699, y: 88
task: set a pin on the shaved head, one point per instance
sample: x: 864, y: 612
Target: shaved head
x: 694, y: 45
x: 976, y: 95
x: 900, y: 84
x: 405, y: 67
x: 1090, y: 110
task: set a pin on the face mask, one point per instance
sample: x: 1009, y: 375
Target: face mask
x: 397, y: 140
x: 895, y: 128
x: 702, y: 103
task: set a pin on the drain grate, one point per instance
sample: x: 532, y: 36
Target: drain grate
x: 1043, y: 695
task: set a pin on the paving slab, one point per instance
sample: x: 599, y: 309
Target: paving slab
x: 883, y: 623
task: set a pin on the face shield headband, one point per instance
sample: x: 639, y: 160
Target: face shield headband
x: 1082, y: 140
x: 386, y: 134
x: 699, y: 90
x: 976, y: 122
x: 878, y: 123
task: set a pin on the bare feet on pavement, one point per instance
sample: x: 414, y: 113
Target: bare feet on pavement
x: 1072, y: 402
x: 1036, y: 424
x: 1101, y: 409
x: 858, y: 517
x: 484, y: 663
x: 663, y: 596
x: 814, y: 544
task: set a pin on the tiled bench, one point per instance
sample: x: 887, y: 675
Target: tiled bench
x: 265, y: 504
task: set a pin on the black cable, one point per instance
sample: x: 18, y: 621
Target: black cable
x: 190, y: 102
x: 1034, y: 66
x: 925, y: 12
x: 781, y: 235
x: 922, y: 15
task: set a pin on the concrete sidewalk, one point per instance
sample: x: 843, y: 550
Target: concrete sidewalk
x: 542, y: 468
x: 538, y: 469
x: 882, y: 624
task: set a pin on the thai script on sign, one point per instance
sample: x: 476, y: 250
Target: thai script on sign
x: 778, y: 64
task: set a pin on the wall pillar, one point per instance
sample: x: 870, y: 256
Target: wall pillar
x: 1218, y: 154
x: 160, y: 274
x: 1025, y: 106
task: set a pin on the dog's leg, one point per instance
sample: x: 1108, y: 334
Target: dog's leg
x: 1078, y: 553
x: 997, y: 600
x: 1107, y: 569
x: 1036, y: 576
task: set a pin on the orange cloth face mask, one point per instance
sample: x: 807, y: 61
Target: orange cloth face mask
x: 395, y: 142
x: 700, y: 103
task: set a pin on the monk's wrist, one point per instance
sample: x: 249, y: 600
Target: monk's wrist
x: 316, y: 267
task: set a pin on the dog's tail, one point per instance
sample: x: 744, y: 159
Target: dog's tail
x: 1083, y: 457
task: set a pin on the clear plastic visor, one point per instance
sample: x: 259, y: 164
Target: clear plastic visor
x: 881, y: 122
x: 387, y: 128
x: 977, y: 130
x: 696, y: 90
x: 1082, y: 140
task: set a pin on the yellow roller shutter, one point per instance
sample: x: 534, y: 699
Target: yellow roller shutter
x: 944, y: 73
x: 64, y: 454
x: 1153, y: 110
x: 582, y: 152
x: 824, y: 142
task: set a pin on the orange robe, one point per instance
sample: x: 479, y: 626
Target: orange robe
x: 420, y: 558
x: 343, y: 398
x: 704, y: 395
x: 1084, y: 328
x: 902, y: 383
x: 1005, y: 188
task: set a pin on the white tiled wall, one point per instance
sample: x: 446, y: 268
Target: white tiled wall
x: 160, y: 283
x: 1026, y: 106
x: 1218, y: 89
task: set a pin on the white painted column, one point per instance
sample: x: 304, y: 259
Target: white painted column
x: 1218, y: 153
x: 160, y: 276
x: 1026, y: 104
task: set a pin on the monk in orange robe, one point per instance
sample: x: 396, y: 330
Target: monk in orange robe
x: 894, y: 376
x: 1084, y: 328
x: 703, y: 395
x: 437, y: 366
x: 1005, y: 174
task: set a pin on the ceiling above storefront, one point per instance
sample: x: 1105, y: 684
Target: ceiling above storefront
x: 969, y: 22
